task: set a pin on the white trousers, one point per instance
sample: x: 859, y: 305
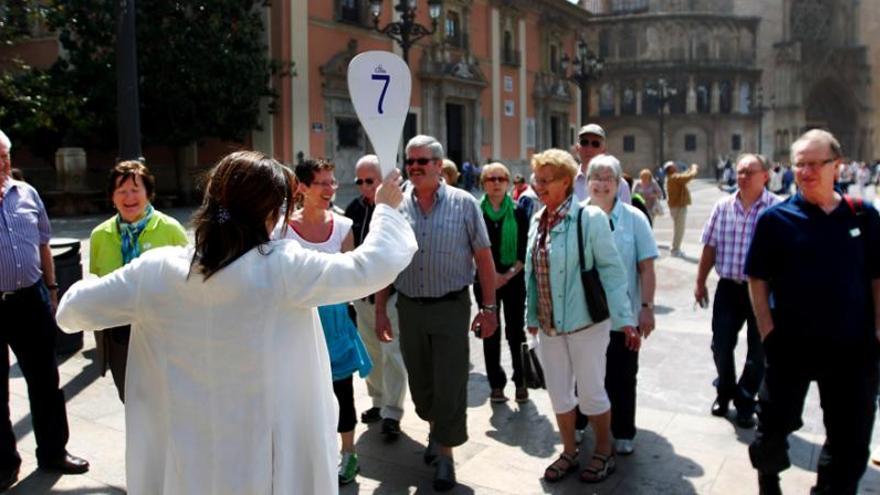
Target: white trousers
x: 576, y: 359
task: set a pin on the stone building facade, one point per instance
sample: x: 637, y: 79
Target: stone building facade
x: 823, y: 74
x: 488, y: 83
x: 681, y: 71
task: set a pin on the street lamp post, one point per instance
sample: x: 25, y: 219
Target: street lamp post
x: 759, y: 108
x: 128, y: 121
x: 406, y: 31
x: 586, y: 67
x: 663, y: 93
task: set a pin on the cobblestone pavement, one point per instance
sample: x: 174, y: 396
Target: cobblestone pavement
x: 680, y: 447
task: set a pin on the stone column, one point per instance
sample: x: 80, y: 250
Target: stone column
x: 617, y: 96
x: 691, y: 104
x: 639, y: 97
x: 716, y: 98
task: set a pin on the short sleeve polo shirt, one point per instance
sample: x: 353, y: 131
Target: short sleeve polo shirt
x: 819, y: 267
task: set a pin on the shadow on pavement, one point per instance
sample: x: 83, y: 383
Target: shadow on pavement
x: 42, y: 482
x: 523, y: 427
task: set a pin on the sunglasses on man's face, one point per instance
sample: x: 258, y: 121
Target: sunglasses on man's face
x: 589, y: 142
x: 500, y: 180
x: 420, y: 161
x: 360, y: 182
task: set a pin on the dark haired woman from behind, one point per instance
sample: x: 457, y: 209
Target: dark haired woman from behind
x: 137, y: 227
x: 222, y: 332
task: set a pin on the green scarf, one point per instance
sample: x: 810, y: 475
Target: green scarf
x: 508, y: 227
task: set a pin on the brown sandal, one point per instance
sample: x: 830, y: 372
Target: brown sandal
x: 606, y: 468
x: 565, y: 464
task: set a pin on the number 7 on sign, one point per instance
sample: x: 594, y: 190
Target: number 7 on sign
x: 387, y: 79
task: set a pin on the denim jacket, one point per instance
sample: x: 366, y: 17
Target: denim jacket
x: 570, y: 311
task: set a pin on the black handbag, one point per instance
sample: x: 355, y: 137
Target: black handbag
x: 533, y: 373
x: 597, y: 302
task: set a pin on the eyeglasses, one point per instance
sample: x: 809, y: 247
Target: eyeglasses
x: 814, y: 165
x: 420, y: 161
x: 360, y: 182
x: 544, y: 182
x: 331, y: 183
x: 499, y: 180
x: 609, y: 180
x: 591, y: 142
x: 747, y: 172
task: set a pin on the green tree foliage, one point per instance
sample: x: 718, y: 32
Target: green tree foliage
x: 34, y: 109
x: 202, y: 65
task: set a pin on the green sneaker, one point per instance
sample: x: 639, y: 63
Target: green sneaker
x: 348, y: 468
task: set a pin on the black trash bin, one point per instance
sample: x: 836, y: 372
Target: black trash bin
x: 68, y: 270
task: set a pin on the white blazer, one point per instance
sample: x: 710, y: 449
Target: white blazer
x: 228, y: 388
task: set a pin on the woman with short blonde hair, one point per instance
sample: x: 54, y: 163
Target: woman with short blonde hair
x: 571, y: 343
x: 560, y: 161
x: 450, y: 172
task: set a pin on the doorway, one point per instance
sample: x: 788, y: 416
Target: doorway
x: 455, y: 133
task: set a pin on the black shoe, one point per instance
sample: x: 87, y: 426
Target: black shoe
x: 371, y: 415
x: 720, y: 407
x: 391, y: 429
x: 67, y: 464
x: 431, y: 451
x: 768, y: 484
x: 444, y: 474
x: 745, y: 420
x: 8, y: 478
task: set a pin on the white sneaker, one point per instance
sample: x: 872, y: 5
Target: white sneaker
x: 676, y: 253
x: 624, y: 446
x: 578, y: 436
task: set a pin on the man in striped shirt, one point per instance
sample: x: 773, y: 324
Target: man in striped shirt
x: 28, y: 297
x: 726, y: 238
x: 434, y: 303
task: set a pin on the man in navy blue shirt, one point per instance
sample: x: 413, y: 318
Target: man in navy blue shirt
x: 814, y: 279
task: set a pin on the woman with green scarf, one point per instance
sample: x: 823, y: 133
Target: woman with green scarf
x: 508, y: 227
x: 136, y: 227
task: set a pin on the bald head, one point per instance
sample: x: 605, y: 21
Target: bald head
x: 368, y: 161
x: 368, y: 176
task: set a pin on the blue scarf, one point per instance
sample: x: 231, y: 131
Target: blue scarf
x: 130, y: 232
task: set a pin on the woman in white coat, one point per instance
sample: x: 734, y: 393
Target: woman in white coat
x: 228, y: 387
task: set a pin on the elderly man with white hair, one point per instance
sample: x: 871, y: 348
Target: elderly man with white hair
x: 637, y: 248
x: 28, y: 298
x: 386, y: 384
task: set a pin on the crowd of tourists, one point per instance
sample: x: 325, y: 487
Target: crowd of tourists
x: 235, y: 355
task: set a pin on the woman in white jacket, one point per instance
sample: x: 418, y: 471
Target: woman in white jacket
x: 228, y: 385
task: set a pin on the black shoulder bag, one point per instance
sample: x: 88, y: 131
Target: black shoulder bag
x: 597, y: 302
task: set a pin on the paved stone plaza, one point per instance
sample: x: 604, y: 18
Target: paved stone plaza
x: 680, y: 447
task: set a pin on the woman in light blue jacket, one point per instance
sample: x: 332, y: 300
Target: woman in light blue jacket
x: 571, y: 346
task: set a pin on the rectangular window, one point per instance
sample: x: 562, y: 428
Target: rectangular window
x: 690, y: 142
x: 350, y: 11
x: 453, y: 28
x: 629, y: 144
x: 736, y: 142
x: 348, y: 133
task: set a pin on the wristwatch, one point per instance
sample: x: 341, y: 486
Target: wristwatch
x: 52, y: 286
x: 648, y: 305
x: 489, y: 307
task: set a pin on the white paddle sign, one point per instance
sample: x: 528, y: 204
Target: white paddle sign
x: 379, y: 84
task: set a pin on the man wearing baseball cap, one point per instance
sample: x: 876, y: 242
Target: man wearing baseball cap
x: 591, y: 143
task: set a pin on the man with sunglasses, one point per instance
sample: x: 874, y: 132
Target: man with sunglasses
x: 386, y: 384
x: 591, y: 143
x: 814, y: 280
x: 434, y: 303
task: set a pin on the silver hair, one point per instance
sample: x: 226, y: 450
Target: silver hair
x: 821, y: 136
x: 4, y: 140
x: 368, y: 161
x: 601, y: 163
x: 428, y: 142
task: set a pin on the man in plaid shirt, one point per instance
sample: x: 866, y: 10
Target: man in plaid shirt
x: 726, y: 238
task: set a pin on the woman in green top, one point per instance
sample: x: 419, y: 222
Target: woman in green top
x: 136, y: 227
